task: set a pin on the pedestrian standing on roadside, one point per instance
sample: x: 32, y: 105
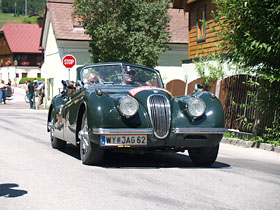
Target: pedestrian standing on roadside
x: 9, y: 82
x: 26, y: 88
x: 41, y: 94
x: 2, y: 92
x: 30, y: 89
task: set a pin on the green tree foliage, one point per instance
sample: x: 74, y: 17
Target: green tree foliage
x: 124, y: 30
x: 250, y: 33
x: 33, y: 6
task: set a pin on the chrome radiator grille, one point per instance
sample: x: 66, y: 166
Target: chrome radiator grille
x: 160, y: 114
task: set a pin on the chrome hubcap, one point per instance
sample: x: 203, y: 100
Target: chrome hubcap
x: 51, y: 128
x: 83, y: 136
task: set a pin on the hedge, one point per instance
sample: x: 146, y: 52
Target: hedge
x: 22, y: 81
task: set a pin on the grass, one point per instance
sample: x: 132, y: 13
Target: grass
x: 258, y: 139
x: 10, y: 18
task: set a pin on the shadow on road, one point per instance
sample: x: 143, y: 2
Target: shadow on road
x: 146, y: 160
x: 7, y: 190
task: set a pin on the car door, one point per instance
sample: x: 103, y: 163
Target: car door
x: 71, y: 109
x: 59, y: 116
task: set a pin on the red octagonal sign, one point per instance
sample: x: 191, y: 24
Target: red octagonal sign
x: 69, y: 61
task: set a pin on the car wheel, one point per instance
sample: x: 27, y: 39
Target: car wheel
x: 204, y: 156
x: 90, y: 153
x: 55, y: 142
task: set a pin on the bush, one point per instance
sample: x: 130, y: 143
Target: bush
x: 22, y: 81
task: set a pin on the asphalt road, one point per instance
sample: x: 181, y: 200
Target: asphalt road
x: 16, y: 101
x: 35, y: 176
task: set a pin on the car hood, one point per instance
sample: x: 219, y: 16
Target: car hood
x: 132, y: 90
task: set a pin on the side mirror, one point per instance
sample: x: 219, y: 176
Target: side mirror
x: 198, y: 87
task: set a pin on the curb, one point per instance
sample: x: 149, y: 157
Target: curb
x: 250, y: 144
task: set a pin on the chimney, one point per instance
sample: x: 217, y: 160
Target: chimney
x: 40, y: 21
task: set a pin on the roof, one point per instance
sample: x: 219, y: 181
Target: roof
x: 179, y: 25
x: 22, y: 38
x: 62, y: 21
x: 64, y: 30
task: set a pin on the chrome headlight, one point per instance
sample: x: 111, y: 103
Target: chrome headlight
x: 196, y: 107
x: 128, y: 106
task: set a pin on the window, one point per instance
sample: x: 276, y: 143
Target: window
x: 23, y: 75
x: 76, y: 20
x: 201, y: 23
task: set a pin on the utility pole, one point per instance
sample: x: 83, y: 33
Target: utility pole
x: 15, y: 9
x: 25, y: 7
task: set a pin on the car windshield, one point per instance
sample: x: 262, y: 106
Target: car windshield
x: 120, y: 75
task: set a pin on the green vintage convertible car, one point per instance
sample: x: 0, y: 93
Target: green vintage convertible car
x: 120, y: 106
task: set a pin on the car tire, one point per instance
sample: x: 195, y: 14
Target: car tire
x: 55, y: 142
x: 204, y: 156
x: 90, y: 153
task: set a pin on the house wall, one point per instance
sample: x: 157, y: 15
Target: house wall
x: 203, y: 47
x: 170, y: 62
x: 4, y: 48
x: 51, y: 65
x: 5, y: 52
x: 9, y: 72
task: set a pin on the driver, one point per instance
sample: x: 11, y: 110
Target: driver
x: 131, y: 74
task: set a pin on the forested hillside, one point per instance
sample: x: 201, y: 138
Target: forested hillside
x: 18, y: 6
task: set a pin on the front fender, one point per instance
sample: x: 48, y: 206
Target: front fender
x: 212, y: 118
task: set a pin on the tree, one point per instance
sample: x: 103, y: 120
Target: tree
x: 125, y: 30
x: 8, y: 6
x: 250, y: 34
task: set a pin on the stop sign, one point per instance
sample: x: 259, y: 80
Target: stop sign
x: 69, y: 61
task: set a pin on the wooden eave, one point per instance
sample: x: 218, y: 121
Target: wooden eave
x: 183, y: 4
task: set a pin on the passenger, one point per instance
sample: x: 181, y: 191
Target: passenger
x: 9, y: 82
x: 93, y: 78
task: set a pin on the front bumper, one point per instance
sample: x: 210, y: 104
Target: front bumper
x: 119, y: 131
x: 104, y: 131
x: 178, y: 137
x: 199, y: 130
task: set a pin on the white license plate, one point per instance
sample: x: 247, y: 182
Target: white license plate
x: 123, y: 140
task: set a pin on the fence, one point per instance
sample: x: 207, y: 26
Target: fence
x: 240, y: 112
x: 176, y: 87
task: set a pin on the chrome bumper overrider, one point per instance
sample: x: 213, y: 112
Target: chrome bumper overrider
x: 199, y: 130
x: 122, y: 131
